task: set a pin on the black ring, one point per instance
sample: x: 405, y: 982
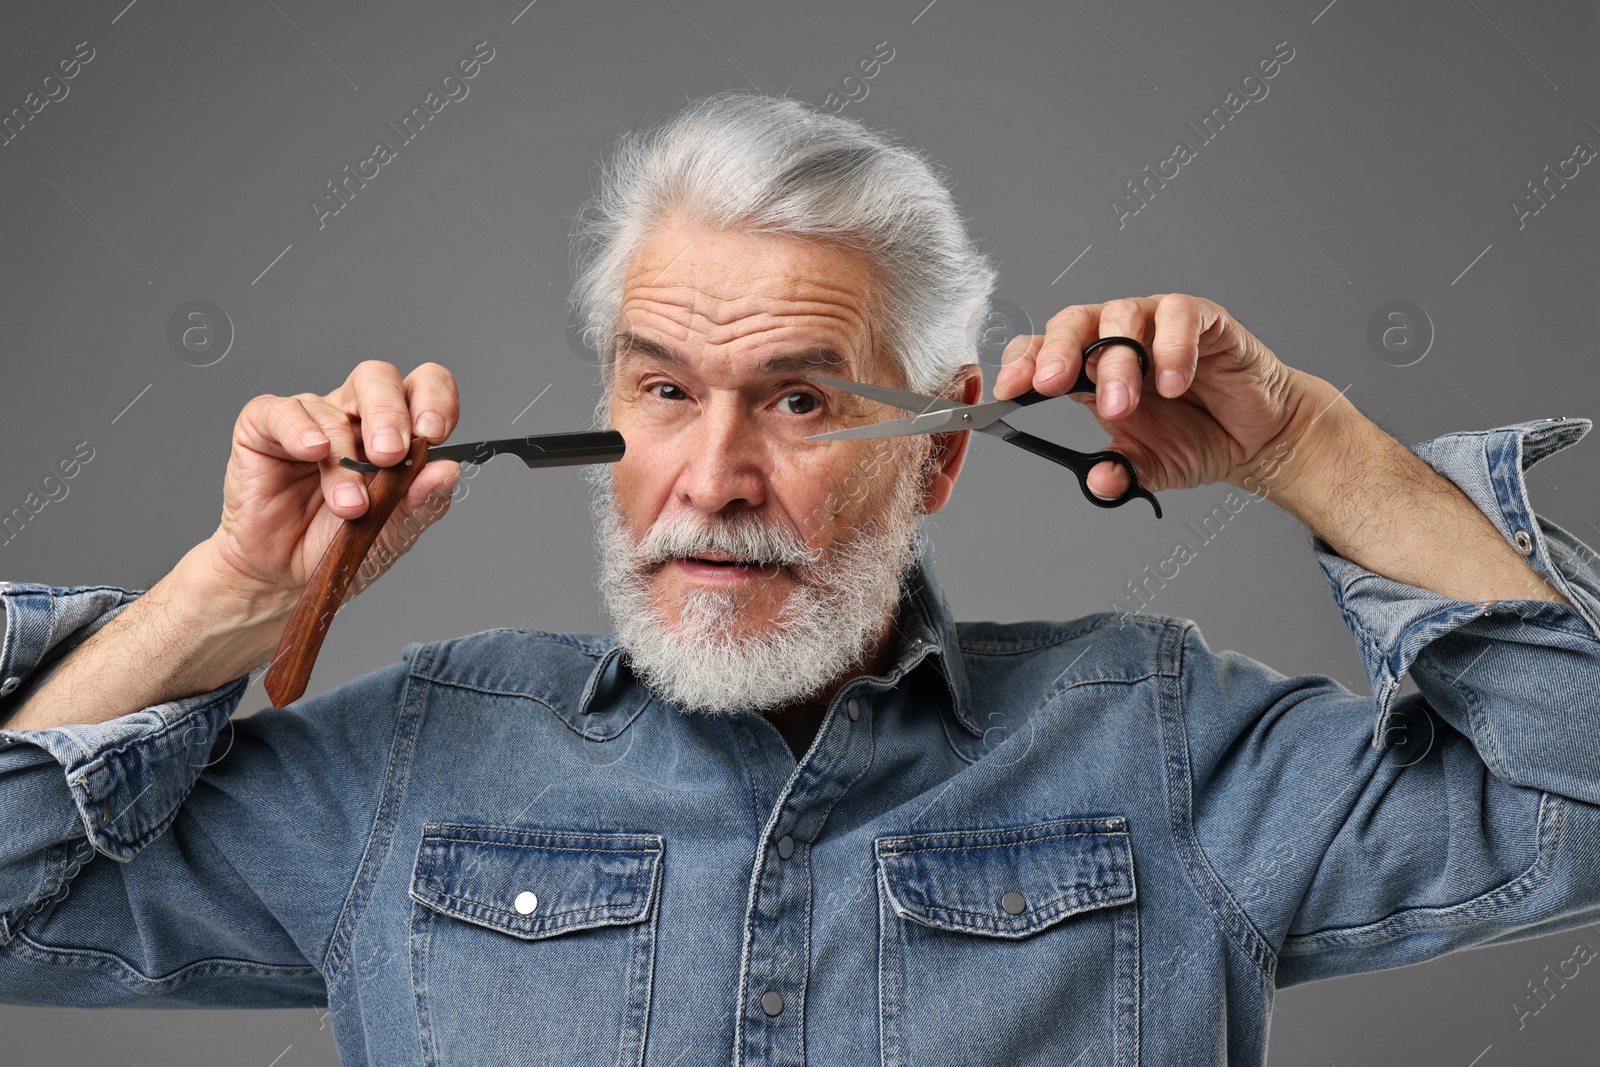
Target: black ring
x: 1144, y: 357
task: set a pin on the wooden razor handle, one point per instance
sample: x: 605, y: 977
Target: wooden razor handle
x: 290, y: 670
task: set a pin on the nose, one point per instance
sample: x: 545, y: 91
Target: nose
x: 725, y: 469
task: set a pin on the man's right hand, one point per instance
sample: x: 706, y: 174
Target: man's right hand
x: 285, y: 494
x: 220, y: 611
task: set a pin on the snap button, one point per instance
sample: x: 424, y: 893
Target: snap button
x: 785, y: 847
x: 771, y: 1002
x: 853, y: 709
x: 1524, y: 543
x: 1013, y: 903
x: 9, y: 686
x: 526, y: 903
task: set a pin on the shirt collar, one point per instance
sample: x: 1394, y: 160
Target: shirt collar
x: 924, y: 625
x: 927, y: 628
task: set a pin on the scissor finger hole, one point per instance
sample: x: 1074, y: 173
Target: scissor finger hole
x: 1122, y: 461
x: 1106, y: 342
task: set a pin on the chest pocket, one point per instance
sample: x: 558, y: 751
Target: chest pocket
x: 1016, y: 945
x: 533, y: 946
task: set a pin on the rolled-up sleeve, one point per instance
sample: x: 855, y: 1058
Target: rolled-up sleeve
x: 1401, y: 628
x: 179, y: 854
x: 1357, y: 833
x: 122, y: 780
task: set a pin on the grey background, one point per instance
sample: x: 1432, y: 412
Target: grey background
x: 1379, y: 167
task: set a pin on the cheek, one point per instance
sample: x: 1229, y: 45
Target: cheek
x: 835, y: 493
x: 640, y: 493
x: 808, y: 500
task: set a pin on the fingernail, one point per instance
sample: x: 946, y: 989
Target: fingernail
x: 1115, y: 398
x: 313, y: 439
x: 387, y: 440
x: 1054, y: 368
x: 347, y: 495
x: 430, y: 424
x: 1171, y: 383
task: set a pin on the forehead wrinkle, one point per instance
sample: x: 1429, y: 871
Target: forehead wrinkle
x: 753, y: 278
x: 729, y: 321
x: 818, y: 302
x: 630, y: 346
x: 698, y: 283
x: 797, y: 292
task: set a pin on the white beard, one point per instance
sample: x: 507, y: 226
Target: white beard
x: 825, y: 628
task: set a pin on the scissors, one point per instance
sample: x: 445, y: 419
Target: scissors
x: 324, y: 593
x: 937, y: 414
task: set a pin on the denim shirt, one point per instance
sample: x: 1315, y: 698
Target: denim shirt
x: 1085, y: 842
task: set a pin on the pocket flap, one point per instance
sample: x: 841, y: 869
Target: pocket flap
x: 1007, y: 883
x: 534, y: 884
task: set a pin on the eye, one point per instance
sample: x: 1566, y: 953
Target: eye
x: 666, y: 385
x: 809, y: 402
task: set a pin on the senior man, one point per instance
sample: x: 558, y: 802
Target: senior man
x: 790, y: 812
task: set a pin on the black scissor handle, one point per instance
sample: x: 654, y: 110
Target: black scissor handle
x: 1134, y: 488
x: 1081, y: 463
x: 1083, y: 384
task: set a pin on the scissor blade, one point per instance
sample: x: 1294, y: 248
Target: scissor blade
x: 932, y: 422
x: 895, y: 397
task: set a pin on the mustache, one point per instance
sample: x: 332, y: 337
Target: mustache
x: 744, y: 538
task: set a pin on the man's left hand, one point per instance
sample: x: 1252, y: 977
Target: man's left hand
x: 1220, y: 396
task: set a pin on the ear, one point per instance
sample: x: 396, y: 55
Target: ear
x: 950, y: 449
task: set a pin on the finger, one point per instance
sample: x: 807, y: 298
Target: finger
x: 285, y: 427
x: 1060, y: 357
x: 280, y: 427
x: 434, y: 402
x: 343, y: 489
x: 1175, y: 352
x: 1117, y: 375
x: 380, y: 403
x: 1108, y: 480
x: 1017, y: 363
x: 424, y: 504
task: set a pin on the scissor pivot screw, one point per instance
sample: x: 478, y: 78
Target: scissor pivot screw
x: 966, y: 418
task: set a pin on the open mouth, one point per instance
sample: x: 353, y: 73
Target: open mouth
x: 730, y: 565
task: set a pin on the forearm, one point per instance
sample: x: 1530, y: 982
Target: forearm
x: 1378, y: 505
x: 186, y: 635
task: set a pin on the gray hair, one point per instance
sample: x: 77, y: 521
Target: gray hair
x: 769, y: 164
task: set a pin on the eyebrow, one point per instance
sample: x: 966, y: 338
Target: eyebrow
x: 814, y: 356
